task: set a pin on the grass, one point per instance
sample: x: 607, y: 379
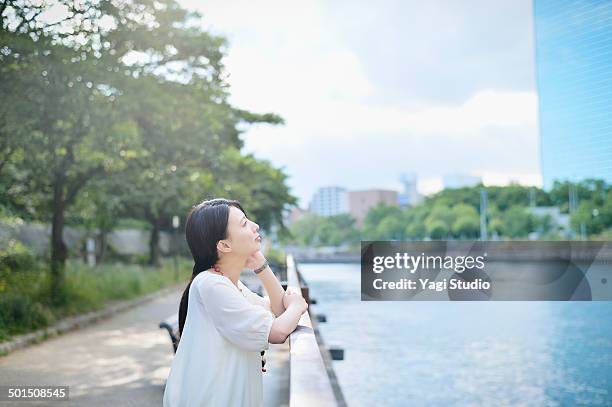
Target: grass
x: 25, y: 303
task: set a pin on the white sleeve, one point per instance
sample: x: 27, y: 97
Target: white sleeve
x: 255, y: 298
x: 244, y: 324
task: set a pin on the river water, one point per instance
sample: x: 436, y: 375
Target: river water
x: 462, y: 353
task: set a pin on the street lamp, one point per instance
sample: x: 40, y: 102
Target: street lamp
x: 483, y: 214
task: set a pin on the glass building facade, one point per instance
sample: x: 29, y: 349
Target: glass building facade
x: 573, y: 46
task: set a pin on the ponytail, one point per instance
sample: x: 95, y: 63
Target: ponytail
x: 182, y: 315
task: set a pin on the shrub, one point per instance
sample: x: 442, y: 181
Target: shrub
x: 15, y: 256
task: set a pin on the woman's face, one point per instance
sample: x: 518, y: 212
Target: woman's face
x: 242, y: 233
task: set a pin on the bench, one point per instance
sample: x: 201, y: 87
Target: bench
x: 172, y: 326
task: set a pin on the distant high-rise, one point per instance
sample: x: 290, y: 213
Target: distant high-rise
x: 409, y: 196
x: 329, y: 201
x: 573, y: 43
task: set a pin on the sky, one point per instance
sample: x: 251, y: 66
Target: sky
x: 371, y: 91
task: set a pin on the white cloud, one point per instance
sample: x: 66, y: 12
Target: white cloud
x: 503, y: 178
x: 488, y: 108
x: 289, y: 58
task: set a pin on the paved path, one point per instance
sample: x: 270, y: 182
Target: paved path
x: 121, y: 361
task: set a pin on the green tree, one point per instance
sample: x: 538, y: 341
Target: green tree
x: 125, y: 89
x: 72, y: 135
x: 176, y: 95
x: 517, y: 222
x: 375, y: 216
x: 594, y: 217
x: 304, y: 231
x: 415, y: 222
x: 338, y: 230
x: 439, y: 221
x: 466, y: 223
x: 314, y: 230
x: 391, y: 228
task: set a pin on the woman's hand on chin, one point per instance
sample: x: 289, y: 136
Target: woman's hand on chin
x: 257, y: 259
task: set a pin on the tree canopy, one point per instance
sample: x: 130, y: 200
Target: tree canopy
x: 119, y: 109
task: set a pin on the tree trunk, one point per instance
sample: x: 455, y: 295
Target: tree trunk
x: 102, y: 251
x: 59, y: 251
x: 154, y: 244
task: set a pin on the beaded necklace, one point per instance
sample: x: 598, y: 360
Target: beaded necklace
x: 216, y: 269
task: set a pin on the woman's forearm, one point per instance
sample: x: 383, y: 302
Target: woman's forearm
x: 274, y: 289
x: 285, y: 324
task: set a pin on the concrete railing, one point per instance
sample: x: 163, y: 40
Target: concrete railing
x: 309, y: 382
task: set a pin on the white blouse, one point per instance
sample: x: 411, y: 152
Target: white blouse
x: 218, y: 360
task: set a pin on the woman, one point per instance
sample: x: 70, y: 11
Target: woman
x: 224, y: 326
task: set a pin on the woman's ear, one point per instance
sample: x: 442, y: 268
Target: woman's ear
x: 223, y: 246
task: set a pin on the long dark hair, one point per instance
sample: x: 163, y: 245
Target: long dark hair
x: 205, y: 226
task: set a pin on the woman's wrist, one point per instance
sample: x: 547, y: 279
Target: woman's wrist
x: 261, y: 268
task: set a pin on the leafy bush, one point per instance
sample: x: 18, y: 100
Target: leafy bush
x: 15, y: 256
x: 20, y: 314
x: 23, y: 299
x: 25, y: 304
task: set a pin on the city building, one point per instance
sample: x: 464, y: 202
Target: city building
x: 361, y: 201
x: 460, y: 180
x: 329, y: 201
x: 573, y: 75
x: 409, y: 196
